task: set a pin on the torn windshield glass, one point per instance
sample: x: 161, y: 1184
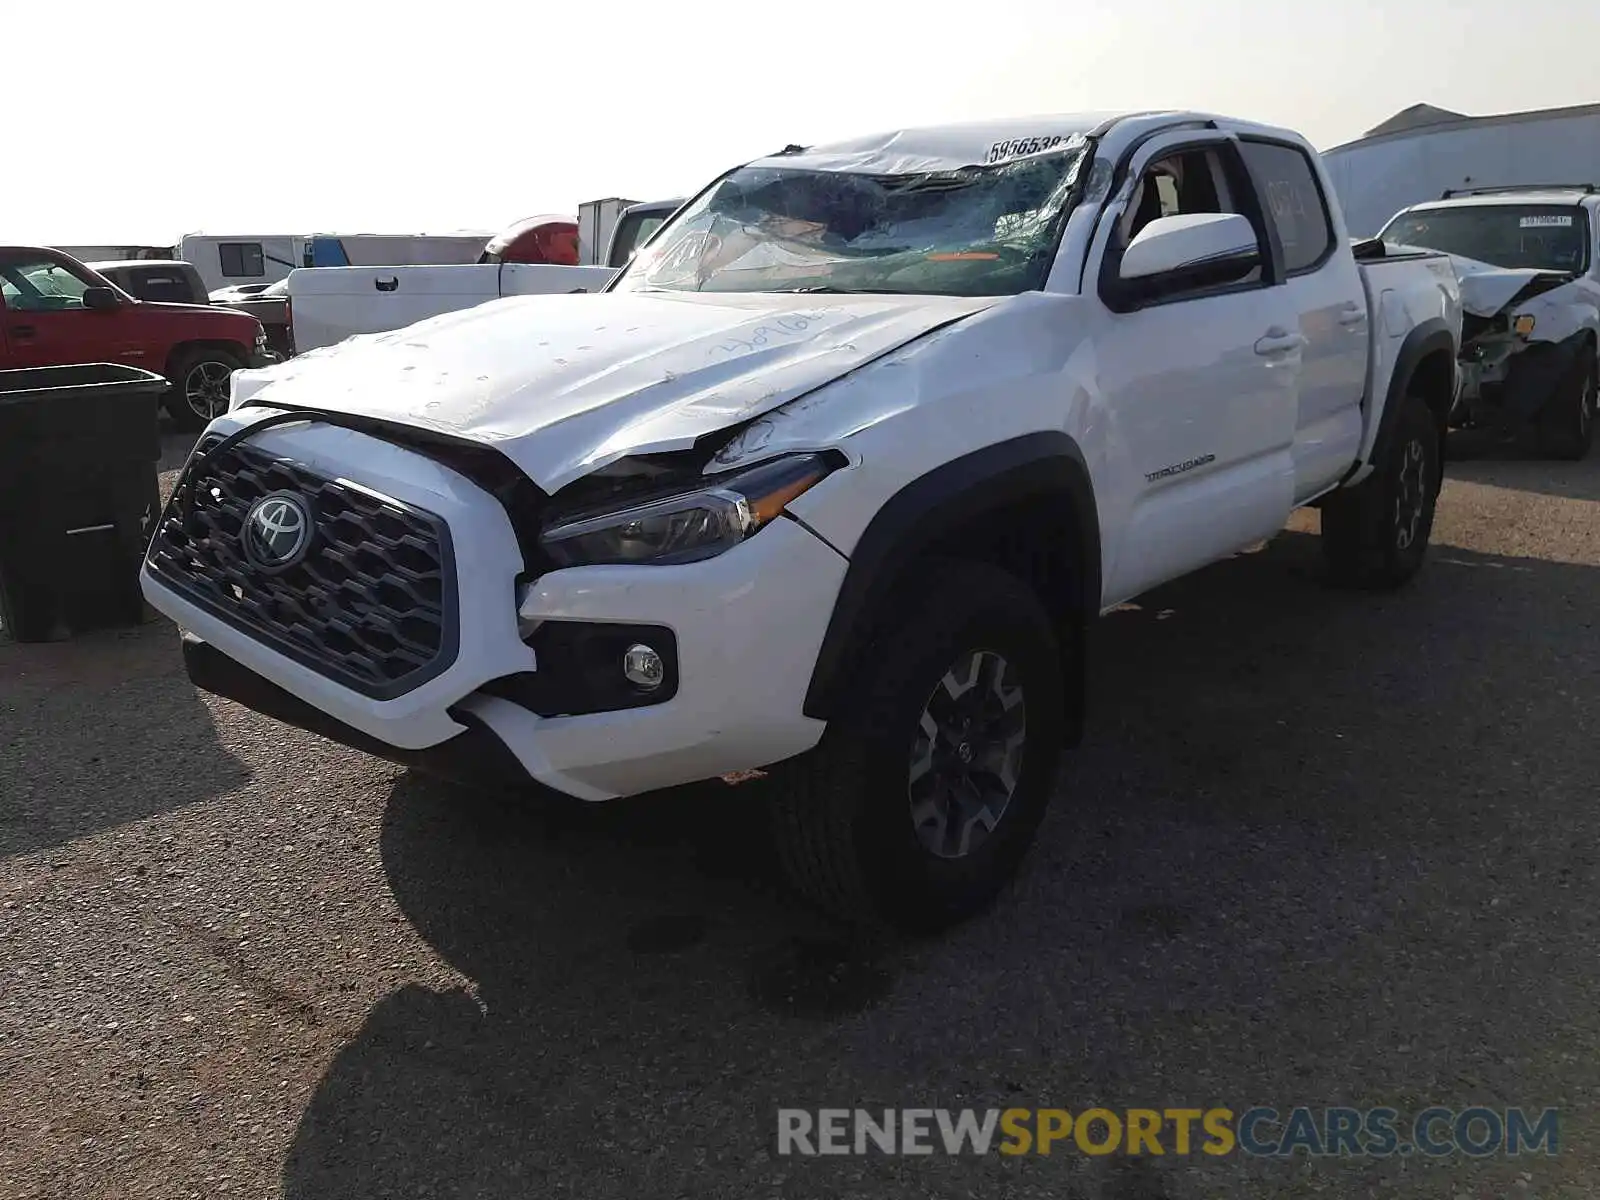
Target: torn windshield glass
x: 974, y: 231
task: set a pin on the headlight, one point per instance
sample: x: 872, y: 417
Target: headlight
x: 691, y: 525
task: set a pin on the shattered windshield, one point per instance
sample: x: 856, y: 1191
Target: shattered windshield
x: 1547, y: 237
x: 974, y: 231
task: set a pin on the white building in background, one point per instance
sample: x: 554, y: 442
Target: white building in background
x: 1422, y: 150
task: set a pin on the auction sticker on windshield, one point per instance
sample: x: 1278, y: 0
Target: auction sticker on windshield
x: 1023, y: 147
x: 1549, y: 220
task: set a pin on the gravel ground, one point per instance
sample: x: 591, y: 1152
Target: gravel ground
x: 1320, y: 848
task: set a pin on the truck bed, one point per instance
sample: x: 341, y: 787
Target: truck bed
x: 1404, y: 289
x: 329, y: 304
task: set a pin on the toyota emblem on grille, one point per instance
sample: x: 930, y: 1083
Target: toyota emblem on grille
x: 277, y: 531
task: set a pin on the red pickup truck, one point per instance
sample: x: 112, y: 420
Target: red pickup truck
x: 55, y: 311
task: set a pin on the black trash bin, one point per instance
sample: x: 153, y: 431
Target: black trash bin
x: 79, y: 498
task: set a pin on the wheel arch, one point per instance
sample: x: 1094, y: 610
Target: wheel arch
x: 182, y: 350
x: 1427, y: 368
x: 1026, y: 505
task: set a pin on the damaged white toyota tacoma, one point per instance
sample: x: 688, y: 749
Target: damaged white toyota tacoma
x: 1530, y: 295
x: 831, y: 481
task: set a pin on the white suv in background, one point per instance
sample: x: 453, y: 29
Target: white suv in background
x: 1530, y: 288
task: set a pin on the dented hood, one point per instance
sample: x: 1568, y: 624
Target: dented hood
x: 564, y: 385
x: 1487, y: 290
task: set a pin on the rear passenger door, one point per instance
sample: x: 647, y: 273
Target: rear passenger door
x: 1330, y: 304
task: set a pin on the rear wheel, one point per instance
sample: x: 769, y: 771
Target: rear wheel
x: 1376, y: 534
x: 199, y: 392
x: 1566, y: 430
x: 928, y: 788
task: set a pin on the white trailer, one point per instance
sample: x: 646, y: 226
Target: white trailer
x: 228, y: 260
x: 1418, y: 154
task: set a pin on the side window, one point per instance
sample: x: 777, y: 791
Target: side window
x: 242, y: 260
x: 632, y: 234
x: 1289, y: 184
x: 1191, y: 181
x: 40, y: 285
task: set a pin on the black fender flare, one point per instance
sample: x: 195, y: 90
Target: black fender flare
x: 1432, y: 336
x: 1041, y: 465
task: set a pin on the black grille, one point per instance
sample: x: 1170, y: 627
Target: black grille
x: 372, y: 604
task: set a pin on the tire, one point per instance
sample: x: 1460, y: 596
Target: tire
x: 1566, y: 429
x: 1375, y: 535
x: 842, y: 815
x: 196, y: 376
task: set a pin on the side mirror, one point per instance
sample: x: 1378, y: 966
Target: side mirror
x: 1193, y: 250
x: 100, y: 298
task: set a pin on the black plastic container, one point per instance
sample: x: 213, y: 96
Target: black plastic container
x: 79, y: 498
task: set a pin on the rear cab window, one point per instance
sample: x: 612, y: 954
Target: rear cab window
x: 163, y: 285
x: 1545, y: 237
x: 1293, y: 194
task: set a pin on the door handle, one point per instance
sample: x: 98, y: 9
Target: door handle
x: 24, y: 331
x: 1278, y: 340
x: 387, y: 285
x: 1352, y: 314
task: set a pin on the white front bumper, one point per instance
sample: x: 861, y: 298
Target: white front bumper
x: 748, y: 623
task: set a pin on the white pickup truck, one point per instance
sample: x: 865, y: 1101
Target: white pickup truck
x: 329, y: 304
x: 832, y: 481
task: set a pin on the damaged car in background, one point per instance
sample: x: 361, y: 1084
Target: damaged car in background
x: 1530, y: 291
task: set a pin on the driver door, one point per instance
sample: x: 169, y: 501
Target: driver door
x: 1201, y: 384
x: 46, y: 323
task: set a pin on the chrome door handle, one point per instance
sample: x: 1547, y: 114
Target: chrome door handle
x: 1279, y: 341
x: 1353, y: 314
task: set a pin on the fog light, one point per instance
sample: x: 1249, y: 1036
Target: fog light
x: 643, y: 667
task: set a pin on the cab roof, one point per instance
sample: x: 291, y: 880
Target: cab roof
x: 140, y: 263
x: 1576, y: 194
x: 932, y: 148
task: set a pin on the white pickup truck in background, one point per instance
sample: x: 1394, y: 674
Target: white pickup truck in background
x: 329, y: 304
x: 832, y: 481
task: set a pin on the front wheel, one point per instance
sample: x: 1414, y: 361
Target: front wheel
x: 928, y: 788
x: 199, y: 392
x: 1376, y: 534
x: 1566, y: 429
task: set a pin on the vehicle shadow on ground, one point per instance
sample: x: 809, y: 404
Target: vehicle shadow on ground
x: 111, y: 716
x: 1477, y: 458
x: 1321, y: 847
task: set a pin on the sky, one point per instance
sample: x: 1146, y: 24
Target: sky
x: 163, y: 117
